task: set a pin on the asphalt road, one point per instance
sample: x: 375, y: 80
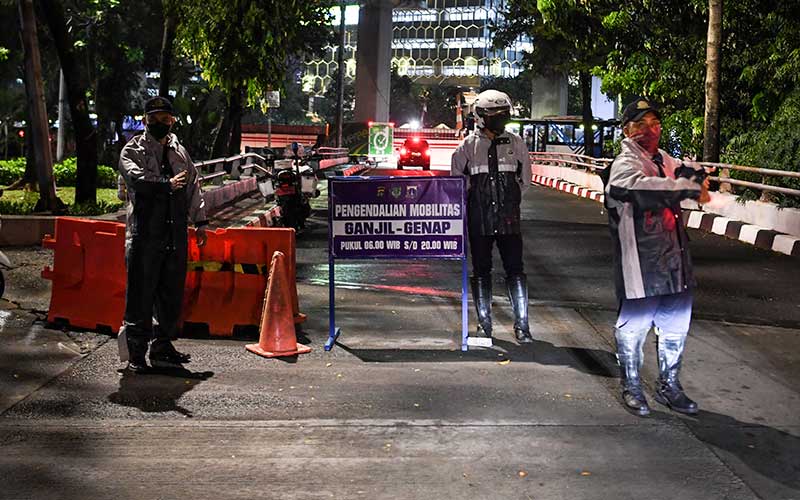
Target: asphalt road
x: 567, y: 256
x: 397, y: 410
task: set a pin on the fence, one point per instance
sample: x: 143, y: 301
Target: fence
x: 723, y: 169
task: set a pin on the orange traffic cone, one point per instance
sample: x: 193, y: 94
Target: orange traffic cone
x: 277, y: 337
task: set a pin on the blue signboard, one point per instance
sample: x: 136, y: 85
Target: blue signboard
x: 396, y: 218
x: 390, y: 218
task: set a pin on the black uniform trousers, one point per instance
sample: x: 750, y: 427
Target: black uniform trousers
x: 510, y: 247
x: 156, y: 280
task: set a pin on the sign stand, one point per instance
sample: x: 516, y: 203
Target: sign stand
x: 437, y: 192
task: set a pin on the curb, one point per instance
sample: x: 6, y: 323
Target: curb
x: 697, y: 219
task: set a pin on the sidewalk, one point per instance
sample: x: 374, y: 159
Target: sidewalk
x: 398, y: 411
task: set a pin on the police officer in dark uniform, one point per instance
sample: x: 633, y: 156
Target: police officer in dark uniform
x: 497, y: 166
x: 163, y: 188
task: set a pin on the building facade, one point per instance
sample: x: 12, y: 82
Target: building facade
x: 447, y: 42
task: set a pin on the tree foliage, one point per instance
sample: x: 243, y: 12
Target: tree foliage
x: 569, y: 39
x: 244, y: 44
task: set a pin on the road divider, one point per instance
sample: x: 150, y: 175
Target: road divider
x: 225, y: 281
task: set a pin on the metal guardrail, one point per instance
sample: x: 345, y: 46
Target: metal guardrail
x: 326, y: 152
x: 726, y: 181
x: 217, y: 169
x: 235, y: 167
x: 594, y: 164
x: 571, y: 160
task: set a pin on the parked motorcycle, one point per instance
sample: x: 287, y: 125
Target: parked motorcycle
x: 5, y: 265
x: 295, y: 183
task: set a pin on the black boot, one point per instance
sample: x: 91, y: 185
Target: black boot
x: 629, y: 353
x: 482, y: 295
x: 137, y: 354
x: 517, y: 287
x: 670, y: 391
x: 164, y: 355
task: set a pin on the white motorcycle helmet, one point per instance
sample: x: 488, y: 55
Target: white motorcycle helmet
x: 492, y: 110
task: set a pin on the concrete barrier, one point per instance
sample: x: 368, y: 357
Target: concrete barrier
x: 25, y: 230
x: 764, y: 225
x: 758, y: 213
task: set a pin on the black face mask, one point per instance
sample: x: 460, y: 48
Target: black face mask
x: 158, y: 130
x: 497, y: 123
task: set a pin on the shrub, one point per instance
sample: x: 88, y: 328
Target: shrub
x: 11, y: 170
x: 65, y: 172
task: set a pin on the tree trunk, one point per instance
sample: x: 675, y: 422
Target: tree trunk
x: 85, y: 134
x: 711, y: 127
x: 39, y: 129
x: 229, y: 137
x: 28, y: 180
x: 235, y: 108
x: 170, y: 26
x: 586, y: 108
x: 223, y: 137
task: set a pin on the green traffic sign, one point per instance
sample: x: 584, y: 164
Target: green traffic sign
x: 381, y: 139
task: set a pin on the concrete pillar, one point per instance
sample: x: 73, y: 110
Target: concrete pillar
x: 373, y: 61
x: 549, y: 97
x: 602, y: 106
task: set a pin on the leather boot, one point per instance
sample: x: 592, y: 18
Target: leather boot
x: 631, y: 357
x: 163, y: 354
x: 517, y: 287
x: 137, y: 354
x: 670, y: 391
x: 482, y: 295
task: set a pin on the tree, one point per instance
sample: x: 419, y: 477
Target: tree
x: 569, y: 38
x: 518, y: 89
x: 327, y: 106
x: 711, y: 129
x: 167, y: 46
x: 660, y: 53
x: 440, y: 105
x: 39, y: 129
x: 405, y: 101
x: 243, y: 46
x: 77, y: 95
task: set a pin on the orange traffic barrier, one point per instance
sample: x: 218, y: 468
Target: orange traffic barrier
x: 226, y: 300
x: 277, y: 337
x: 88, y: 274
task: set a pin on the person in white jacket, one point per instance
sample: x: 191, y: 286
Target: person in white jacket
x: 497, y: 167
x: 653, y: 268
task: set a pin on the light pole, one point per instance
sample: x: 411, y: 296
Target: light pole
x: 340, y: 76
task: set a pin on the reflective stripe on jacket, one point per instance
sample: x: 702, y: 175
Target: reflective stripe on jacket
x: 497, y: 172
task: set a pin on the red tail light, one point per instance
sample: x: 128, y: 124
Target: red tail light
x: 403, y: 151
x: 427, y: 152
x: 415, y: 139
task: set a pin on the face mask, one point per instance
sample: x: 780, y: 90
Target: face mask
x: 648, y: 139
x: 497, y: 123
x: 158, y: 130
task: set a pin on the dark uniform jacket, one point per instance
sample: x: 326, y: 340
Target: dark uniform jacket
x: 156, y: 214
x: 498, y: 171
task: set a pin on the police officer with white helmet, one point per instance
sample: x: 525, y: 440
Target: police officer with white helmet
x: 497, y: 167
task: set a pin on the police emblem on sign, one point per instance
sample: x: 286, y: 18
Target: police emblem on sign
x: 397, y: 191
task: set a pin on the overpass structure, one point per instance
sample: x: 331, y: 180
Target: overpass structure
x: 436, y: 42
